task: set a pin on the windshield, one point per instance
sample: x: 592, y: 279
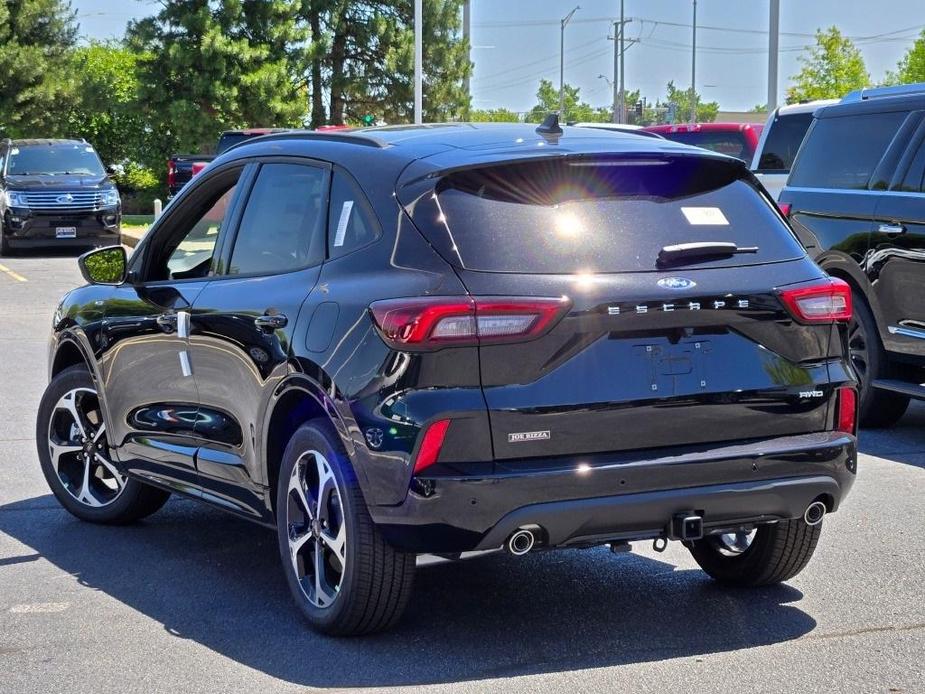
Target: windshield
x: 54, y: 160
x: 610, y: 215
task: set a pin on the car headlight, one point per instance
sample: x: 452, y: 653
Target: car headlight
x: 15, y: 198
x: 110, y: 198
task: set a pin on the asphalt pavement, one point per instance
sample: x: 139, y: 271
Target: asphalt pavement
x: 194, y: 600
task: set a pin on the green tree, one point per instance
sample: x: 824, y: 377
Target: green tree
x: 912, y: 66
x: 706, y: 110
x: 494, y: 115
x: 547, y: 97
x: 831, y: 68
x: 35, y: 89
x: 107, y: 110
x: 208, y: 65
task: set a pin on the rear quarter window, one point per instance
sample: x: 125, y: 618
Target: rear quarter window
x: 602, y: 215
x: 842, y: 152
x: 784, y: 138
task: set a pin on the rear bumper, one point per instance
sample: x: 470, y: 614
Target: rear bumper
x: 625, y: 496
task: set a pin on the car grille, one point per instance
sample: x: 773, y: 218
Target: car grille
x: 62, y: 200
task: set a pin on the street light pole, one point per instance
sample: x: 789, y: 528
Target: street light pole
x: 773, y: 44
x: 694, y: 68
x: 418, y: 62
x: 564, y: 22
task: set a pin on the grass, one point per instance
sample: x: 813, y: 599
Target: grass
x: 137, y: 220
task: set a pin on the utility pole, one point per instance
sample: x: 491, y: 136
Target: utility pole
x: 467, y: 37
x: 418, y: 62
x: 622, y: 63
x: 616, y: 82
x: 773, y: 44
x: 694, y: 68
x: 563, y: 23
x: 619, y: 60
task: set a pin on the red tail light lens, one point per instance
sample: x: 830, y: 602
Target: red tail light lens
x: 431, y: 444
x: 434, y: 322
x: 171, y: 174
x: 198, y: 166
x: 784, y: 208
x: 847, y: 419
x: 820, y: 303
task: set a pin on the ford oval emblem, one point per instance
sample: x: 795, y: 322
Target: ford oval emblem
x: 676, y: 283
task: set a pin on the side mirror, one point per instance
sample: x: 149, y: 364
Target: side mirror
x: 104, y: 265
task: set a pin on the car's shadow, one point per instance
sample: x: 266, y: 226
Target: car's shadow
x: 904, y: 442
x: 217, y: 580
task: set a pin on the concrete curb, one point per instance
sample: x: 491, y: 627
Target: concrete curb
x: 132, y: 237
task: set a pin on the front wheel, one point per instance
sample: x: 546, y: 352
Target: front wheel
x: 4, y: 243
x: 769, y: 554
x: 343, y: 575
x: 75, y: 456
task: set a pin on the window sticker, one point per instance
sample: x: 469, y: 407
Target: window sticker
x: 14, y: 150
x: 342, y: 223
x: 705, y: 216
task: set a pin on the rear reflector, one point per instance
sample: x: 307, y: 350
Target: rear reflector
x: 825, y: 302
x: 847, y: 420
x: 434, y: 322
x: 431, y: 444
x: 784, y: 208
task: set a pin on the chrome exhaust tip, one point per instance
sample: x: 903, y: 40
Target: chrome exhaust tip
x: 814, y: 513
x: 520, y: 542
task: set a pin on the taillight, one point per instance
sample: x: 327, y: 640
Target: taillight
x: 198, y: 166
x: 171, y: 174
x: 431, y: 444
x: 820, y: 303
x: 430, y: 323
x: 847, y: 419
x: 784, y: 208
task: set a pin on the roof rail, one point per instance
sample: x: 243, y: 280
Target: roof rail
x: 881, y: 92
x: 346, y: 137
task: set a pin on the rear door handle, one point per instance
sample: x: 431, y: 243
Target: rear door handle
x: 270, y: 322
x: 892, y: 229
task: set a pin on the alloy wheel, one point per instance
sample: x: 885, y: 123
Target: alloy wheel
x: 317, y: 529
x: 733, y: 544
x: 79, y: 450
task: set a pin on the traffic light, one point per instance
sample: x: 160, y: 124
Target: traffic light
x: 369, y: 119
x: 639, y: 109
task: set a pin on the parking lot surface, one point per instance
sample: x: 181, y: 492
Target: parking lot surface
x: 194, y: 600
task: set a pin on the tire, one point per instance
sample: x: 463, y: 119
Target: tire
x: 373, y: 579
x: 876, y: 408
x: 4, y: 243
x: 777, y: 552
x: 76, y: 460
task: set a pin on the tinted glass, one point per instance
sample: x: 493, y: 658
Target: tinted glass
x: 54, y: 160
x: 733, y: 144
x: 783, y: 141
x: 913, y: 180
x: 283, y: 224
x: 351, y: 222
x: 229, y: 140
x: 193, y: 246
x: 843, y: 152
x: 557, y: 216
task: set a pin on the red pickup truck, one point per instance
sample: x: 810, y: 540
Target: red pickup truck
x: 739, y: 140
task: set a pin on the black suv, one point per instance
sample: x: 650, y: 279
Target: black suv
x: 55, y: 193
x: 856, y: 199
x: 449, y: 338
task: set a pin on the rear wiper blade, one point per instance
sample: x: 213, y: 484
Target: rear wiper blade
x: 701, y: 249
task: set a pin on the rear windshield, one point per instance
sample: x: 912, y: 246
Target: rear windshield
x: 229, y: 140
x: 733, y: 144
x: 783, y: 141
x: 54, y: 160
x: 607, y: 215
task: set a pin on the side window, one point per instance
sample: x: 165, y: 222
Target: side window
x: 282, y: 228
x: 185, y: 249
x: 351, y: 222
x: 783, y: 141
x: 914, y: 180
x: 842, y: 152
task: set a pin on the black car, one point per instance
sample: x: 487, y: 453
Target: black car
x: 440, y: 339
x: 55, y: 193
x: 856, y: 199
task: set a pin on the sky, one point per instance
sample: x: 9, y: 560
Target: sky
x: 516, y: 43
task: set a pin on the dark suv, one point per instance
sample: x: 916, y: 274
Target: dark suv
x: 449, y: 338
x: 856, y: 199
x: 55, y: 193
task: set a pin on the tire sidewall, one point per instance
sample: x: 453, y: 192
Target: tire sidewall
x: 69, y: 379
x: 319, y: 436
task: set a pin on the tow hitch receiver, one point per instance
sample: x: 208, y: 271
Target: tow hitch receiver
x: 686, y: 527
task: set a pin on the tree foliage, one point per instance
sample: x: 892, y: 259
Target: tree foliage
x: 706, y: 110
x: 831, y: 68
x: 547, y: 97
x: 912, y: 66
x: 36, y: 37
x: 494, y: 115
